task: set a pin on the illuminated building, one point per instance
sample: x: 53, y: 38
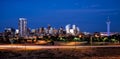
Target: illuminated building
x: 86, y: 33
x: 51, y: 31
x: 55, y: 31
x: 16, y: 31
x: 74, y: 30
x: 22, y: 27
x: 60, y: 30
x: 67, y: 28
x: 74, y: 27
x: 33, y: 30
x: 41, y: 31
x: 106, y: 34
x: 78, y: 30
x: 10, y: 32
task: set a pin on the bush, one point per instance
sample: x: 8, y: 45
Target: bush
x: 76, y: 39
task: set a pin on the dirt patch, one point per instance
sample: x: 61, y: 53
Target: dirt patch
x: 78, y: 53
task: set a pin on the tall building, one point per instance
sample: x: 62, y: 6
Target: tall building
x: 74, y: 27
x: 108, y: 27
x: 22, y: 27
x: 74, y: 30
x: 67, y: 28
x: 49, y: 29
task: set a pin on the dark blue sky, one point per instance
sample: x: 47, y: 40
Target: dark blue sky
x: 89, y: 15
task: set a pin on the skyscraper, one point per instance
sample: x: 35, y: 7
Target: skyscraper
x: 22, y: 27
x: 74, y: 30
x: 108, y: 27
x: 67, y: 28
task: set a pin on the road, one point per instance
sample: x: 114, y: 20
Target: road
x: 33, y: 47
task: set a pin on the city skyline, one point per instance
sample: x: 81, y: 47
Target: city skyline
x: 88, y: 15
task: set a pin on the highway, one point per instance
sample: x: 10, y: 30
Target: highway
x: 33, y: 47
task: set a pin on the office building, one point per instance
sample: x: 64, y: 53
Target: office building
x: 22, y: 27
x: 67, y: 28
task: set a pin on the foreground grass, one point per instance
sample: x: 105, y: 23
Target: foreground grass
x: 78, y: 53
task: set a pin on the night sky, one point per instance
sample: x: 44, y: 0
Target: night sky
x: 88, y: 15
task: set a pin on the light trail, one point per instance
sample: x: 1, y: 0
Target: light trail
x: 48, y: 47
